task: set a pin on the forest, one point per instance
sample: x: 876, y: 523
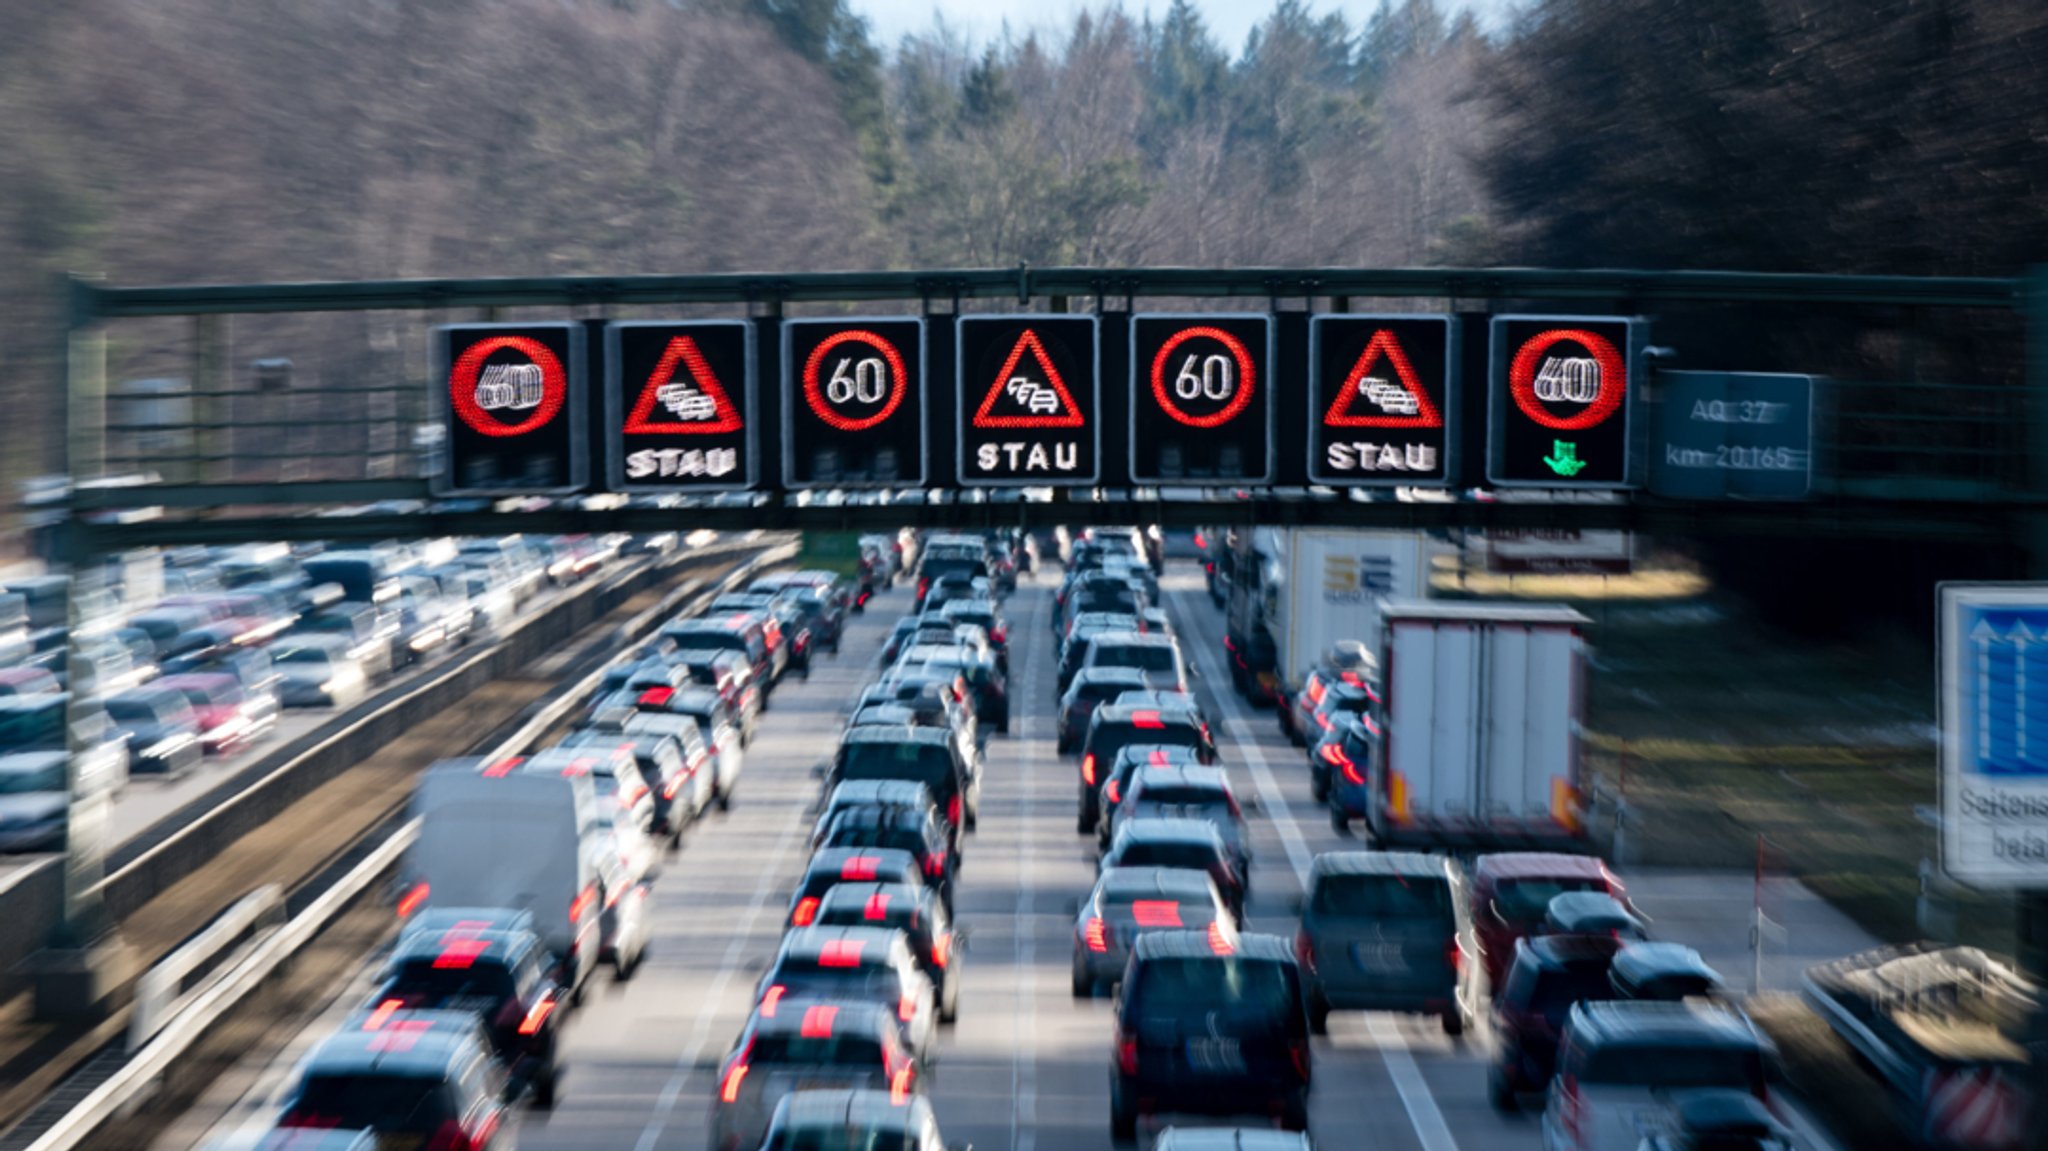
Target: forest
x: 164, y: 141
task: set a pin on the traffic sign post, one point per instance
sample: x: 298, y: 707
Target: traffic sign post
x: 1733, y: 436
x: 1028, y: 400
x: 1201, y: 399
x: 680, y: 405
x: 1994, y: 734
x: 512, y: 403
x: 1560, y: 401
x: 1383, y: 396
x: 853, y: 403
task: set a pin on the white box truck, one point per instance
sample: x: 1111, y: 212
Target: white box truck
x: 1485, y: 705
x: 1296, y: 591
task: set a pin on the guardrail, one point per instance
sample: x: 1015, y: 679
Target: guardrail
x: 139, y: 1078
x: 164, y: 986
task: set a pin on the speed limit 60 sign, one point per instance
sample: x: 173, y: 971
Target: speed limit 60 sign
x: 853, y: 394
x: 1201, y: 399
x: 511, y: 398
x: 1561, y: 397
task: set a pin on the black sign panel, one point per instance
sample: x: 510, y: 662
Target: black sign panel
x: 1382, y: 398
x: 512, y: 401
x: 679, y: 405
x: 1560, y: 401
x: 853, y: 403
x: 1027, y: 413
x: 1201, y: 399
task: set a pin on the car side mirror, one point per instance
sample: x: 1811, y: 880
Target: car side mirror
x: 820, y: 769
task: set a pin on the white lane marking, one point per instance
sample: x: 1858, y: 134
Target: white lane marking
x: 1024, y: 1059
x: 1416, y: 1098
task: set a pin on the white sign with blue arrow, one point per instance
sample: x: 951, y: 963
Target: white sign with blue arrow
x: 1994, y: 733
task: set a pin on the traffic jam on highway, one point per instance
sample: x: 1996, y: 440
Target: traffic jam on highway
x: 1159, y: 948
x: 194, y: 663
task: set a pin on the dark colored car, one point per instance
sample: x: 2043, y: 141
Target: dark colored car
x: 989, y: 618
x: 413, y: 1078
x: 918, y: 831
x: 1388, y: 931
x: 926, y: 755
x: 1189, y: 843
x: 1548, y: 976
x: 1512, y: 890
x: 1665, y: 972
x: 1210, y: 1026
x: 1342, y: 706
x: 835, y: 865
x: 918, y: 913
x: 1130, y: 901
x: 1090, y: 689
x: 1132, y: 759
x: 1113, y: 728
x: 1195, y: 792
x: 742, y: 633
x: 490, y: 963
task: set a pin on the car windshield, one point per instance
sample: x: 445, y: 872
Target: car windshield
x: 1382, y: 897
x: 50, y: 778
x: 1191, y: 991
x: 1524, y: 901
x: 427, y: 983
x: 410, y: 1104
x: 1671, y: 1065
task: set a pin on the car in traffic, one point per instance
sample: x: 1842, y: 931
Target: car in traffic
x: 35, y: 802
x: 417, y: 1078
x: 921, y: 754
x: 831, y: 866
x: 918, y: 831
x: 161, y: 728
x: 1388, y: 931
x: 1198, y: 792
x: 1090, y: 689
x: 1619, y: 1064
x: 230, y: 717
x: 317, y: 671
x: 1548, y: 976
x: 864, y: 963
x: 1113, y: 728
x: 853, y: 1121
x: 1156, y: 656
x: 1189, y: 843
x: 1346, y: 661
x: 680, y: 780
x: 1512, y: 890
x: 1130, y: 760
x: 919, y: 914
x: 846, y: 1045
x: 1128, y: 902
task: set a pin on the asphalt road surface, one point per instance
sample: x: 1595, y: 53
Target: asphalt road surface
x: 1027, y: 1066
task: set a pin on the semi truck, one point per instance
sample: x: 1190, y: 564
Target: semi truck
x: 1479, y: 746
x: 1294, y: 592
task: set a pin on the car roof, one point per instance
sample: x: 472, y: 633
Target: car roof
x: 811, y: 942
x: 860, y: 893
x: 833, y: 859
x: 1163, y: 754
x: 406, y: 1042
x: 465, y: 942
x: 1185, y: 882
x: 878, y: 791
x: 859, y: 1110
x: 1151, y: 830
x: 887, y: 735
x: 1538, y: 864
x: 1110, y: 672
x: 1556, y: 952
x: 1229, y: 1139
x: 1195, y: 776
x: 1632, y: 1021
x: 1126, y: 713
x: 1133, y: 636
x: 867, y: 1017
x: 1196, y: 945
x: 1406, y: 864
x: 1638, y: 962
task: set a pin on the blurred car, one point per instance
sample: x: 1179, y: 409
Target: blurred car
x: 489, y: 962
x: 919, y: 831
x: 1720, y: 1120
x: 919, y: 914
x: 162, y: 730
x: 1347, y: 662
x: 1591, y: 913
x: 853, y: 1121
x: 371, y: 632
x: 1113, y: 728
x: 871, y: 795
x: 1663, y: 971
x: 1342, y: 706
x: 1197, y: 792
x: 35, y: 802
x: 1231, y: 1139
x: 1388, y: 931
x: 1090, y: 689
x: 317, y: 671
x: 1512, y: 890
x: 1130, y: 760
x: 230, y: 718
x: 1130, y: 901
x: 847, y: 1045
x: 925, y: 755
x: 413, y: 1077
x: 863, y: 964
x: 1619, y: 1063
x: 680, y: 775
x: 18, y: 681
x: 831, y: 866
x: 1210, y: 1026
x: 1187, y: 843
x: 1548, y: 976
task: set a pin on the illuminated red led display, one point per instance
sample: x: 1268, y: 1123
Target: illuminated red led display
x: 1037, y: 405
x: 532, y: 382
x: 1560, y: 410
x: 1595, y: 399
x: 514, y: 420
x: 1381, y: 390
x: 679, y: 405
x: 855, y: 387
x: 1355, y: 404
x: 1189, y: 384
x: 1201, y: 398
x: 1027, y: 387
x: 718, y: 415
x: 853, y: 402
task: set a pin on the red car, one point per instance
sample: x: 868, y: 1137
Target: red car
x: 1511, y: 890
x: 229, y: 716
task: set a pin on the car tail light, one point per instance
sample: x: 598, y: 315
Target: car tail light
x: 657, y: 696
x: 729, y: 1090
x: 770, y: 998
x: 935, y: 863
x: 674, y: 785
x: 953, y: 809
x: 1304, y: 949
x: 382, y: 1014
x: 1298, y: 1052
x: 877, y: 907
x: 1127, y: 1054
x: 1113, y: 792
x: 1335, y: 755
x: 942, y: 950
x: 1454, y: 956
x: 806, y: 911
x: 1323, y: 721
x: 413, y: 899
x: 585, y: 900
x: 1201, y: 541
x: 537, y: 1016
x: 504, y: 767
x: 906, y: 1007
x: 1000, y: 635
x: 1568, y: 1106
x: 923, y: 586
x: 450, y: 1136
x: 1315, y: 690
x: 1088, y: 769
x: 818, y: 1022
x: 1219, y: 942
x: 901, y: 1083
x: 1097, y: 935
x: 1149, y: 720
x: 859, y: 867
x: 1156, y: 912
x: 840, y: 953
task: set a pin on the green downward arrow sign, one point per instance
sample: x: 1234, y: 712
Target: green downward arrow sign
x: 1564, y: 458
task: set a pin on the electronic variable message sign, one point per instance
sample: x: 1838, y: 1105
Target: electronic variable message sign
x: 1561, y: 403
x: 853, y: 403
x: 1733, y: 436
x: 1028, y: 400
x: 1382, y: 394
x: 512, y: 402
x: 679, y: 401
x: 1201, y: 399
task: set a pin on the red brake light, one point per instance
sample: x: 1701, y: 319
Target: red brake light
x: 906, y: 1007
x: 1315, y: 690
x: 878, y: 907
x: 538, y: 1015
x: 460, y: 954
x: 840, y: 953
x: 1156, y: 912
x: 859, y: 867
x: 657, y: 696
x: 1147, y: 719
x: 1127, y: 1054
x: 806, y: 911
x: 1112, y: 792
x: 1219, y: 942
x: 1088, y: 769
x: 953, y: 807
x: 413, y: 899
x: 674, y: 785
x: 900, y: 1083
x: 1454, y: 957
x: 770, y: 998
x: 818, y: 1022
x: 935, y: 863
x: 382, y: 1014
x: 1097, y: 935
x: 1323, y: 720
x: 583, y: 904
x: 729, y: 1091
x: 1201, y: 541
x: 942, y: 948
x: 504, y: 767
x: 1000, y: 634
x: 1335, y: 756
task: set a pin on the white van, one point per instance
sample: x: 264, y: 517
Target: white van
x: 494, y: 836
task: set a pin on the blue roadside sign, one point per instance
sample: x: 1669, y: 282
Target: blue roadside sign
x: 1994, y: 733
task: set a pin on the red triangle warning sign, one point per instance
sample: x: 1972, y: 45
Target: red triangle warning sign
x: 1369, y: 401
x: 693, y: 405
x: 1021, y: 400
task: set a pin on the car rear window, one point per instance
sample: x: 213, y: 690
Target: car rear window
x: 1185, y: 796
x: 1190, y: 990
x: 1145, y: 656
x: 1110, y: 738
x: 842, y: 1137
x: 926, y: 763
x: 1382, y: 897
x: 424, y: 984
x: 1152, y: 909
x: 845, y: 834
x: 411, y: 1104
x: 1194, y: 856
x: 1673, y: 1065
x: 827, y: 1051
x: 1557, y: 989
x: 803, y: 979
x: 1524, y: 901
